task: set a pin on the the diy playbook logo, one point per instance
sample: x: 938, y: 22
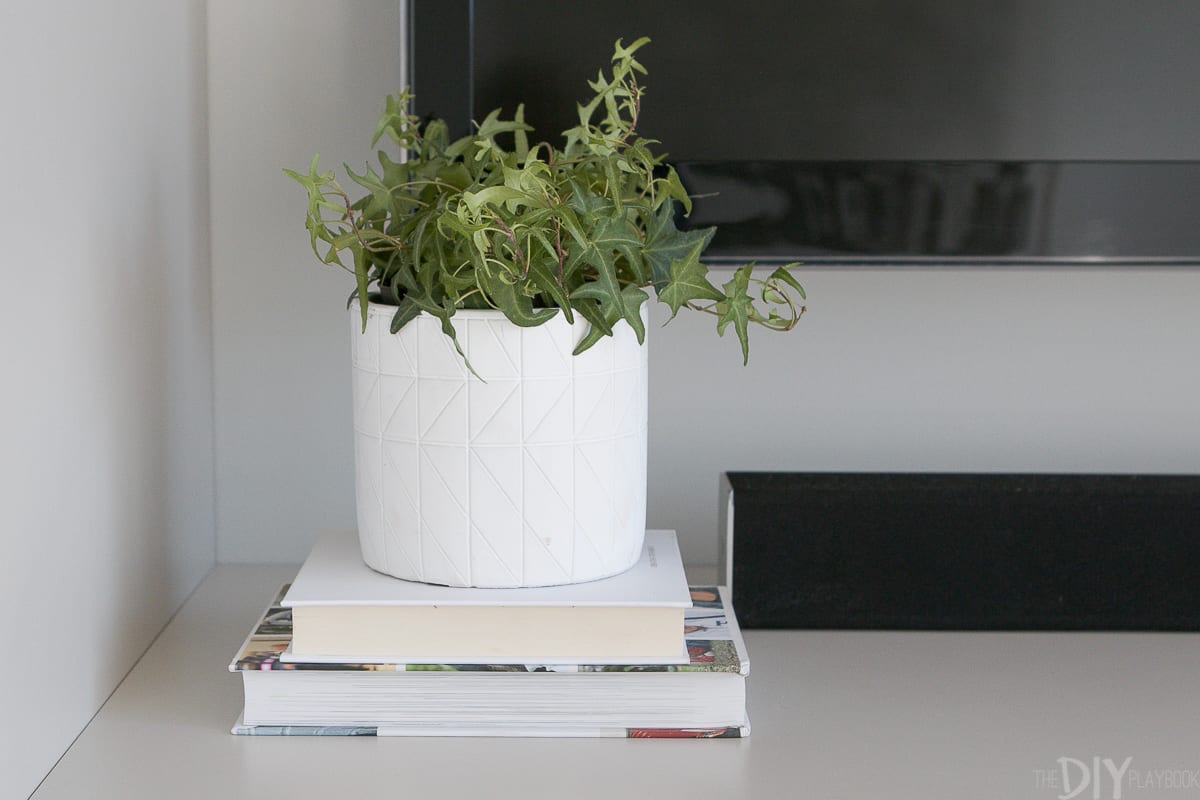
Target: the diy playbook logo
x: 1103, y: 778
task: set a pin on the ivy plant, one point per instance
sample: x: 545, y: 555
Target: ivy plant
x: 500, y: 220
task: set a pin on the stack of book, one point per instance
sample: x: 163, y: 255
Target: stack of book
x: 346, y: 651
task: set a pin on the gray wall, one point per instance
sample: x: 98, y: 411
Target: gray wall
x: 913, y: 369
x: 1008, y: 369
x: 107, y: 517
x: 287, y: 78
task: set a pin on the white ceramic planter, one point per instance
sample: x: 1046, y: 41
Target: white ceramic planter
x: 533, y: 476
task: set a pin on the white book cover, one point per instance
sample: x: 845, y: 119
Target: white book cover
x: 344, y: 612
x: 335, y: 575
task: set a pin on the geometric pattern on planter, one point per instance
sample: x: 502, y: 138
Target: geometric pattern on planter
x: 533, y: 476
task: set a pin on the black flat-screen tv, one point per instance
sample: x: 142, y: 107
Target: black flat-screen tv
x: 870, y: 131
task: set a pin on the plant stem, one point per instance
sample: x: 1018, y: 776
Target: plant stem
x: 517, y: 251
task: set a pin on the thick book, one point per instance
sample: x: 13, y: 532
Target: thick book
x: 344, y: 611
x: 704, y: 698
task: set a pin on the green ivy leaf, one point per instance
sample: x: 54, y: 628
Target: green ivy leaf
x: 623, y: 53
x: 395, y: 173
x: 384, y: 199
x: 395, y: 121
x: 634, y: 297
x: 406, y: 312
x: 543, y: 272
x: 361, y: 265
x: 737, y: 307
x: 603, y: 317
x: 455, y: 175
x: 665, y: 243
x: 516, y: 305
x: 593, y: 312
x: 618, y: 234
x: 496, y: 196
x: 688, y: 281
x: 520, y: 135
x: 676, y: 191
x: 588, y: 203
x: 445, y: 313
x: 785, y: 275
x: 493, y: 126
x: 606, y: 287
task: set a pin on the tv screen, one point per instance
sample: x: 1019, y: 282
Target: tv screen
x: 870, y: 130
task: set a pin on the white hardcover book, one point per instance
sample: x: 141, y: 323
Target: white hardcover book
x: 343, y: 611
x: 704, y: 698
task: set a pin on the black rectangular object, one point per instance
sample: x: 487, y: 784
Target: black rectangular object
x: 922, y: 551
x: 866, y: 133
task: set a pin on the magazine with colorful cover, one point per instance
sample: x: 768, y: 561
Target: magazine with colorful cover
x: 714, y: 644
